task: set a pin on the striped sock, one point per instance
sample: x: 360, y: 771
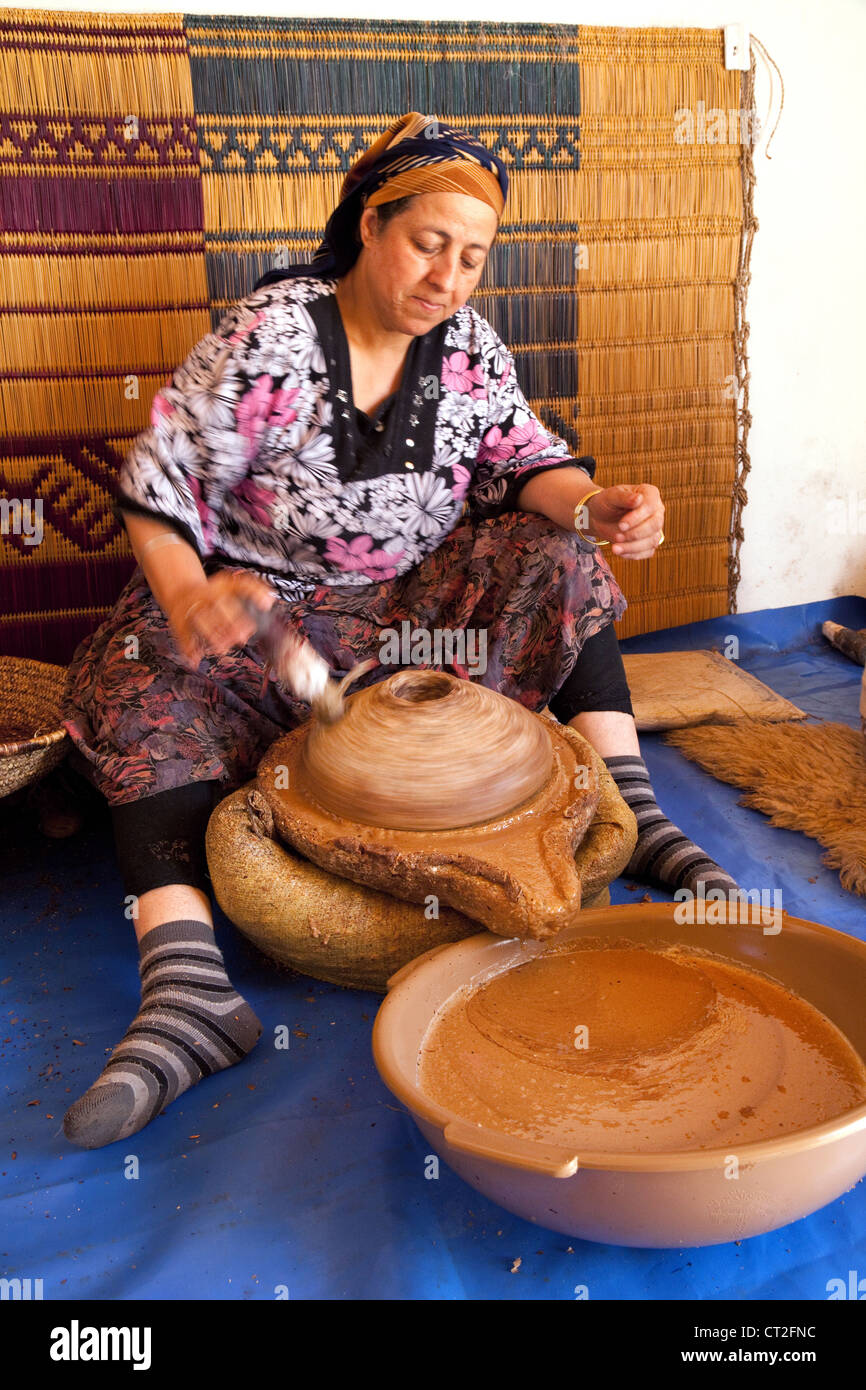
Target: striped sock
x: 191, y: 1024
x: 662, y: 852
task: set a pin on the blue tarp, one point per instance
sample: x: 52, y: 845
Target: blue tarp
x: 297, y: 1171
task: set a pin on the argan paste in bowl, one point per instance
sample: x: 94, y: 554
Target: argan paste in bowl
x: 627, y: 1049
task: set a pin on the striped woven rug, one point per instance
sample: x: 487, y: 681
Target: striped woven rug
x: 154, y: 166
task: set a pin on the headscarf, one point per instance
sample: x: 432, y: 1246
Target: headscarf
x: 416, y: 154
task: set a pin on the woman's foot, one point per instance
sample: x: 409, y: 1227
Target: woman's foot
x: 191, y: 1024
x: 662, y: 853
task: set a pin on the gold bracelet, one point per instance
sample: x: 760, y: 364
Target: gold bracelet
x: 590, y: 540
x: 172, y: 538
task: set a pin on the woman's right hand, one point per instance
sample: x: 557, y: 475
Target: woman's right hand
x: 631, y: 516
x: 209, y: 618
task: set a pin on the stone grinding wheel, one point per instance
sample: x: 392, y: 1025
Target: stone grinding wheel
x: 431, y: 785
x: 422, y: 750
x: 335, y: 930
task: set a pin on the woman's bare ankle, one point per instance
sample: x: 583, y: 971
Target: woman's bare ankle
x: 175, y: 902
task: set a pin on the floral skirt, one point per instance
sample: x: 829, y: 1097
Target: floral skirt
x: 523, y: 592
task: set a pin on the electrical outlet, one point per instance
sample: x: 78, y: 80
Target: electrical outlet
x: 737, y: 47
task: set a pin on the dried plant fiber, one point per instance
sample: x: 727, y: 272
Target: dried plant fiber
x: 809, y: 777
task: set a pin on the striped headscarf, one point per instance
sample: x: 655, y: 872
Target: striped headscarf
x: 416, y: 154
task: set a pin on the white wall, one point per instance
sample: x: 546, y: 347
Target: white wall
x: 805, y: 522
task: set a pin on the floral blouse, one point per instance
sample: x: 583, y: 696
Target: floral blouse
x: 255, y: 454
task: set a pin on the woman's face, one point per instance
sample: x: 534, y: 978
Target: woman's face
x: 424, y: 263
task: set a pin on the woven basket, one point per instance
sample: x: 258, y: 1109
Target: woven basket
x: 30, y: 693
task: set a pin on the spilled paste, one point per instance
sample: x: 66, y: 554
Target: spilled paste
x: 638, y: 1050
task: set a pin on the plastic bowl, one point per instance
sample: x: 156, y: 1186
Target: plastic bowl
x: 659, y: 1199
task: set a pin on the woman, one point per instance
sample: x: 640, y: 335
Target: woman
x: 352, y: 444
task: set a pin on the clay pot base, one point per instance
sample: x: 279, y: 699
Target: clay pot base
x: 309, y: 920
x: 515, y: 874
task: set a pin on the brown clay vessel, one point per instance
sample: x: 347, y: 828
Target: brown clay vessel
x: 431, y: 785
x: 346, y: 933
x: 668, y: 1198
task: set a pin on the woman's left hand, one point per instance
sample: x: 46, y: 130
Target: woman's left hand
x: 631, y: 516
